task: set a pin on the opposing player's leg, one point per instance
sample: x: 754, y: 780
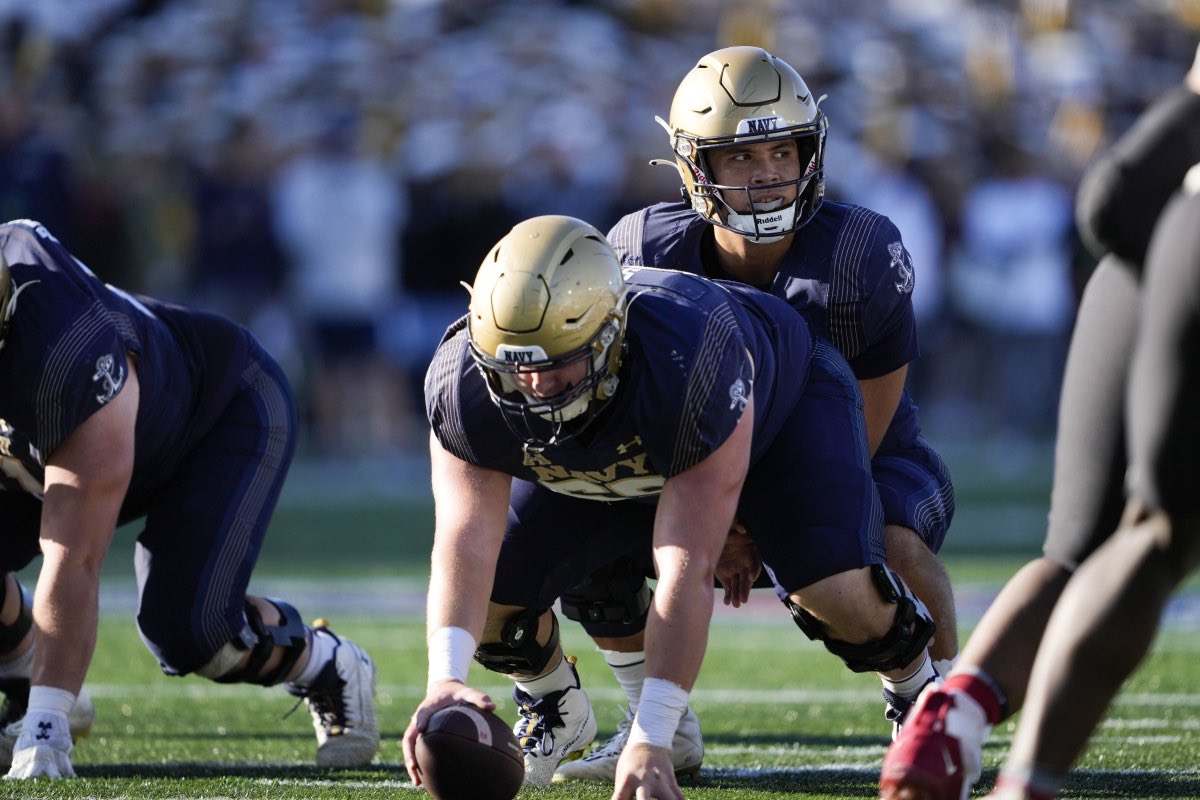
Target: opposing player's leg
x: 1105, y: 622
x: 1099, y: 632
x: 989, y: 680
x: 204, y: 530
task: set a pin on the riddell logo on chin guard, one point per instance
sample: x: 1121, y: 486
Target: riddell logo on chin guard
x: 770, y: 220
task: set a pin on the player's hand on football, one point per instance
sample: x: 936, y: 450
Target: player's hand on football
x: 439, y: 695
x: 43, y: 747
x: 739, y: 566
x: 645, y: 772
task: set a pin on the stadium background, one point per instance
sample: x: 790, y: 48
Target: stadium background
x: 327, y: 171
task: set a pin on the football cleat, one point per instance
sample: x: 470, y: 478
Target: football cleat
x: 341, y: 702
x: 553, y: 729
x: 16, y: 697
x: 939, y: 753
x: 687, y: 753
x: 898, y: 706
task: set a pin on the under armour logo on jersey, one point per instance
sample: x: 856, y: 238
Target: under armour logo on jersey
x: 44, y: 730
x: 110, y: 376
x: 739, y: 395
x: 903, y: 266
x: 625, y: 448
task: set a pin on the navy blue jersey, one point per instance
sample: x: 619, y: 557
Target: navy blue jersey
x: 847, y: 272
x: 64, y: 357
x: 696, y: 350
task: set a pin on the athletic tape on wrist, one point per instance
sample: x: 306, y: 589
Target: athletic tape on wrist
x: 450, y: 653
x: 662, y: 705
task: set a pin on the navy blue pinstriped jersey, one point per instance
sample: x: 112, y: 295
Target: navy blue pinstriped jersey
x: 696, y: 350
x: 64, y: 357
x: 847, y: 272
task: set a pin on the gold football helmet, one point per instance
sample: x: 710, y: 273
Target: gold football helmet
x: 549, y: 294
x: 745, y: 95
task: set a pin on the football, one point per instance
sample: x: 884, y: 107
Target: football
x: 466, y: 753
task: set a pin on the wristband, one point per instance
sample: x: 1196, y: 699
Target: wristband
x: 450, y: 653
x: 659, y: 711
x: 49, y: 700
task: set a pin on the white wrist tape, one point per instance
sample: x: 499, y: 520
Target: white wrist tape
x: 49, y: 700
x: 663, y: 703
x: 450, y: 653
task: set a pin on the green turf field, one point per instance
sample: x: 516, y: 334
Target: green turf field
x: 782, y: 717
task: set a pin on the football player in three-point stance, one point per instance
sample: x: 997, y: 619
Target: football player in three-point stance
x: 580, y: 417
x: 749, y: 143
x: 115, y: 408
x: 1069, y: 626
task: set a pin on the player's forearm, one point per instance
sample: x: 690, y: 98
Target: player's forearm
x: 460, y: 584
x: 677, y: 629
x: 65, y: 615
x: 881, y: 396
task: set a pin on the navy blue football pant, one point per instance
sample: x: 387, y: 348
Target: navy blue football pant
x: 916, y: 491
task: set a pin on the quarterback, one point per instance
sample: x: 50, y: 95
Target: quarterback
x: 748, y: 140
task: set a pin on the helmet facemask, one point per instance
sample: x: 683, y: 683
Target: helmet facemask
x: 543, y: 421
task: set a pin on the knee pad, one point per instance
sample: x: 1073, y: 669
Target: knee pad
x: 260, y: 641
x: 13, y: 635
x: 912, y: 628
x: 518, y: 652
x: 615, y: 594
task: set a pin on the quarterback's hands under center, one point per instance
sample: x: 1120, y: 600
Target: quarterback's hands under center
x: 645, y: 772
x: 738, y: 567
x: 438, y: 696
x: 43, y: 747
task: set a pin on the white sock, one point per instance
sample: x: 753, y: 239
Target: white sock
x: 321, y: 647
x: 910, y: 686
x: 561, y: 677
x: 944, y: 666
x: 19, y: 667
x: 630, y: 671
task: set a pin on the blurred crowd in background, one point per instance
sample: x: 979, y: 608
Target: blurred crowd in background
x: 328, y: 171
